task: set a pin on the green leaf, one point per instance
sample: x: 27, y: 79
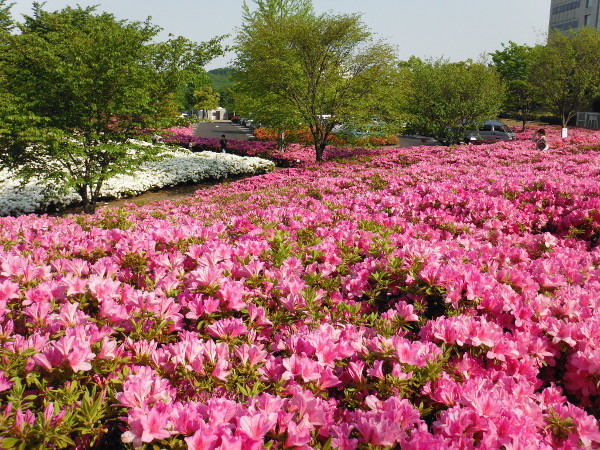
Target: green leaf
x: 9, y: 442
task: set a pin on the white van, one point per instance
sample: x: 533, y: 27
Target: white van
x: 491, y: 130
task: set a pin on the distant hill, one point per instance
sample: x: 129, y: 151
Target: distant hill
x: 221, y: 78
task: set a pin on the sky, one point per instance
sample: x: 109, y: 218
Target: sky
x: 451, y: 29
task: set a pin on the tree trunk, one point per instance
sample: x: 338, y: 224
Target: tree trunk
x: 320, y: 138
x: 281, y: 141
x: 89, y: 204
x: 320, y: 149
x: 90, y: 207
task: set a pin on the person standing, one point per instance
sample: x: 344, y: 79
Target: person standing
x: 223, y: 143
x: 540, y: 139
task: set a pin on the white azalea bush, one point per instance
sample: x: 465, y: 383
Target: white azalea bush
x: 180, y: 166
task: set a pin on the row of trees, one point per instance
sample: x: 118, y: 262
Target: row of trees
x: 562, y: 76
x: 76, y: 85
x: 296, y: 66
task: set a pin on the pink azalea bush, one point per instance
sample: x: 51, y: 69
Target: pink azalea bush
x: 414, y: 298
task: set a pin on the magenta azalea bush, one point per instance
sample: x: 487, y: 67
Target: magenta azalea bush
x: 413, y: 298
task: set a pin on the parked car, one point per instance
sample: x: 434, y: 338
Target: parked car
x: 491, y: 130
x: 354, y: 131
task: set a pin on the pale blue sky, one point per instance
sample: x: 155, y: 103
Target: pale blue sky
x: 453, y: 29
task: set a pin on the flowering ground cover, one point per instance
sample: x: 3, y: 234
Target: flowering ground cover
x: 303, y: 136
x: 294, y: 155
x: 184, y: 136
x: 180, y: 166
x: 413, y: 298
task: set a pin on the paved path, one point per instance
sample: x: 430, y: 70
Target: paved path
x: 239, y: 133
x: 414, y: 141
x: 214, y: 130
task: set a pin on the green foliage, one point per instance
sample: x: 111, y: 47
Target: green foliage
x: 281, y: 248
x: 324, y: 69
x: 77, y: 85
x: 193, y: 81
x: 6, y: 22
x: 513, y: 64
x: 221, y: 79
x: 560, y: 427
x: 66, y: 409
x: 205, y: 98
x: 565, y: 72
x: 446, y: 100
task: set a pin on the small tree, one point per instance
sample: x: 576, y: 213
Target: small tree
x: 565, y: 72
x: 88, y: 83
x: 445, y: 100
x: 269, y: 110
x: 513, y: 64
x: 324, y: 68
x: 185, y: 94
x: 205, y: 99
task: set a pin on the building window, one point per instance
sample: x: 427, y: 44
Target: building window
x: 566, y: 7
x: 586, y: 20
x: 574, y: 24
x: 590, y: 3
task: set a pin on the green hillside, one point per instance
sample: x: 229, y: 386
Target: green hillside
x: 221, y: 78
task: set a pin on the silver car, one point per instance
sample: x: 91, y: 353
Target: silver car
x: 491, y: 130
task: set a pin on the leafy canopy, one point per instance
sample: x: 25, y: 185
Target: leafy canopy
x: 446, y: 100
x: 565, y: 73
x: 513, y: 63
x: 324, y: 69
x: 205, y: 98
x: 85, y: 83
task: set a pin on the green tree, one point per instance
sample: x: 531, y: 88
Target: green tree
x: 205, y: 99
x: 87, y: 83
x: 221, y: 78
x: 228, y: 98
x: 272, y: 110
x: 565, y: 72
x: 513, y: 64
x: 193, y: 82
x: 222, y: 82
x: 6, y: 22
x: 445, y: 100
x: 325, y: 68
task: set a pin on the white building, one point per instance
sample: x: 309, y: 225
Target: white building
x: 211, y: 114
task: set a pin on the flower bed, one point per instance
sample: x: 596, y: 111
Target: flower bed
x: 180, y: 166
x: 418, y: 298
x: 295, y: 155
x: 303, y: 137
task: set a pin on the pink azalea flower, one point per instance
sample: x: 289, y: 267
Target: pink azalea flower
x: 232, y: 293
x: 146, y: 426
x: 220, y: 371
x: 227, y: 328
x: 298, y: 434
x: 5, y: 383
x: 377, y: 370
x: 255, y: 427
